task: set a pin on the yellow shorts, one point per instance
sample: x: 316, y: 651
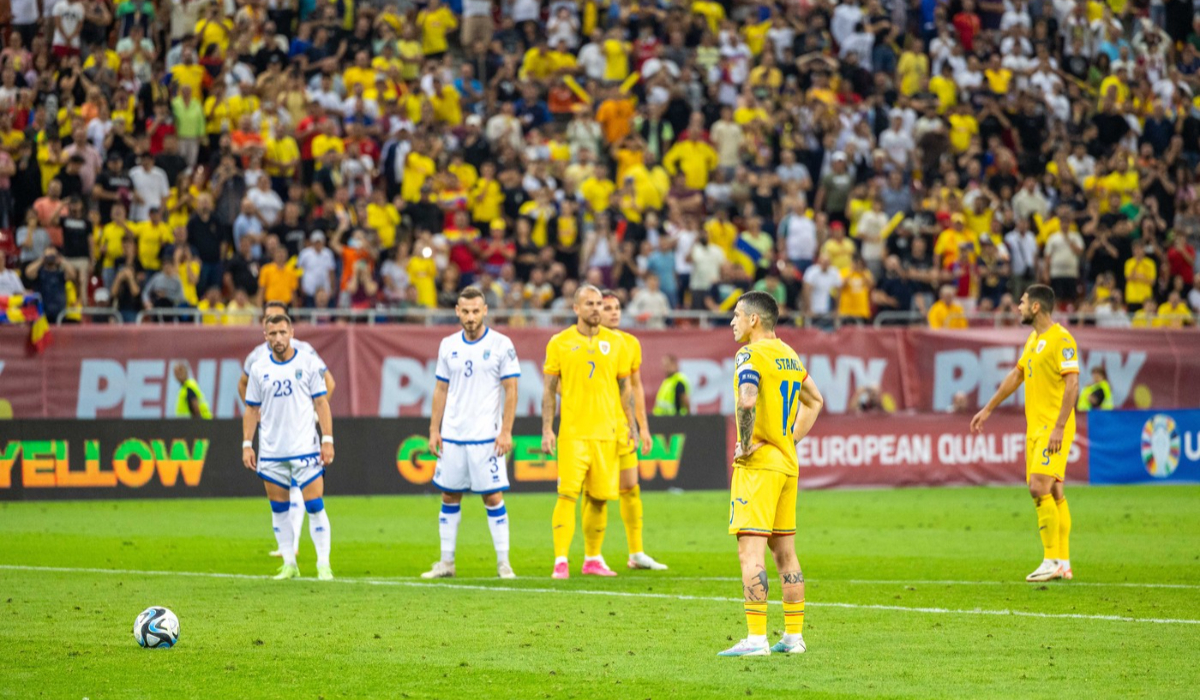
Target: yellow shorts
x: 1038, y: 460
x: 590, y: 463
x: 762, y: 502
x: 627, y: 456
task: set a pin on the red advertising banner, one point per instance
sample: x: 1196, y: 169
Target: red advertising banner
x: 387, y: 370
x: 919, y: 450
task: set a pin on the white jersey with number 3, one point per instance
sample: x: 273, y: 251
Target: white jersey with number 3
x: 284, y: 391
x: 474, y: 372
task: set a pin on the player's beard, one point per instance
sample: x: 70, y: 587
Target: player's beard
x: 1027, y: 319
x: 472, y: 328
x: 279, y: 353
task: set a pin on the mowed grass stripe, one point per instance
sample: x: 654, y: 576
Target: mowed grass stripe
x: 616, y: 594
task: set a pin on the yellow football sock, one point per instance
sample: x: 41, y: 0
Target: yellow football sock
x: 631, y: 515
x: 595, y: 521
x: 1047, y: 515
x: 1064, y: 530
x: 563, y: 521
x: 793, y: 617
x: 756, y: 619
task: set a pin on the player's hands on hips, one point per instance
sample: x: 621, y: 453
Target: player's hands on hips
x: 503, y: 444
x: 249, y: 460
x: 977, y: 421
x: 549, y: 443
x: 1055, y: 442
x: 739, y: 453
x: 327, y: 454
x: 435, y: 442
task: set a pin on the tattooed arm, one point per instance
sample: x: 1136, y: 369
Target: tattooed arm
x: 628, y: 407
x: 746, y: 413
x: 549, y: 408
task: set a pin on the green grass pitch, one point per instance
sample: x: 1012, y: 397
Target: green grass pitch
x: 911, y: 593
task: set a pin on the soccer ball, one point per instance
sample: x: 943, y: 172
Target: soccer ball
x: 156, y: 628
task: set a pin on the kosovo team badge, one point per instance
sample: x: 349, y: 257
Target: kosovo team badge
x: 604, y: 347
x: 487, y: 354
x: 299, y: 374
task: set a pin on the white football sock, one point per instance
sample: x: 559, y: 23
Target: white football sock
x: 448, y: 521
x: 282, y: 524
x: 497, y: 518
x: 297, y: 513
x: 318, y: 529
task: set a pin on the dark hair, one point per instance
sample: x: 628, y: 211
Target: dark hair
x: 471, y: 293
x: 762, y: 304
x: 277, y: 304
x: 1041, y: 294
x: 279, y: 318
x: 609, y: 294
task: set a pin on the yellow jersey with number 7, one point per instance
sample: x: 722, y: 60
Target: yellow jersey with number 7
x: 588, y: 368
x: 774, y: 368
x: 1045, y: 361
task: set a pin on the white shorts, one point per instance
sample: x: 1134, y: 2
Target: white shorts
x: 471, y: 467
x: 297, y: 471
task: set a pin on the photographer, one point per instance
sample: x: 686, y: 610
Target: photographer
x: 48, y: 276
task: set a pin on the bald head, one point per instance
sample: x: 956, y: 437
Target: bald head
x: 588, y: 300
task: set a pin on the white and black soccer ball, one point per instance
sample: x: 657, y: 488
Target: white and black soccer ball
x: 156, y: 628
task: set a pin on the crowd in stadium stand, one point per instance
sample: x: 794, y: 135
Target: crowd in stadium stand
x: 850, y: 158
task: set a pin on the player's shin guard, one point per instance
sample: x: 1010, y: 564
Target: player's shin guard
x: 563, y: 522
x: 297, y: 514
x: 448, y: 521
x: 595, y: 521
x: 756, y: 618
x: 318, y: 529
x: 793, y: 617
x: 1064, y: 530
x: 281, y: 522
x: 631, y: 515
x: 1048, y: 523
x: 497, y: 517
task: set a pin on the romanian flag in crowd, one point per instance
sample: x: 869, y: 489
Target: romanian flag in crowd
x: 26, y: 308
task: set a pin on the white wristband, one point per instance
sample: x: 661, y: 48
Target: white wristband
x: 327, y: 440
x: 246, y: 444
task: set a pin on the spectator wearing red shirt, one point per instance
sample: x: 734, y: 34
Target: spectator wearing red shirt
x: 968, y: 25
x: 497, y: 250
x: 464, y: 246
x: 1181, y: 260
x: 159, y: 127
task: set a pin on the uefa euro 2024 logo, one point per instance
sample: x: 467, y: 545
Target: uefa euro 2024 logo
x: 1160, y: 446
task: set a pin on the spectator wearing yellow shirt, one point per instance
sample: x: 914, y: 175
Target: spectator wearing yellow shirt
x: 1148, y: 316
x: 214, y: 29
x: 946, y: 312
x: 616, y: 54
x: 435, y: 21
x: 153, y: 234
x: 418, y: 168
x: 485, y: 197
x: 422, y: 272
x: 854, y: 301
x: 447, y: 103
x: 838, y: 249
x: 950, y: 241
x: 282, y: 157
x: 240, y: 310
x: 1175, y: 313
x: 945, y: 88
x: 694, y: 158
x: 722, y: 231
x: 110, y: 240
x: 188, y: 74
x: 361, y: 73
x: 211, y: 308
x: 998, y: 77
x: 597, y: 190
x: 327, y: 141
x: 712, y: 12
x: 963, y: 127
x: 278, y: 280
x: 1140, y: 275
x: 383, y: 218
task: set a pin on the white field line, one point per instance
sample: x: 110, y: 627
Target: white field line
x: 650, y: 577
x: 614, y: 594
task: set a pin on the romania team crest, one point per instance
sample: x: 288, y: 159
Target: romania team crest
x: 1040, y: 346
x: 604, y: 347
x: 1160, y: 446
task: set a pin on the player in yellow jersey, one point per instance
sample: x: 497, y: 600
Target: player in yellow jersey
x: 592, y: 365
x: 631, y: 493
x: 1049, y: 368
x: 777, y: 404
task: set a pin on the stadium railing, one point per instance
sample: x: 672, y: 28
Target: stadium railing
x: 545, y: 318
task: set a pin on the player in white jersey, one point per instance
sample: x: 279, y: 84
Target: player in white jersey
x: 296, y: 509
x: 469, y: 431
x: 285, y: 390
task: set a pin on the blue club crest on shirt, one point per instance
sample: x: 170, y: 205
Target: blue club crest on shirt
x: 487, y: 354
x: 454, y: 354
x: 299, y: 374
